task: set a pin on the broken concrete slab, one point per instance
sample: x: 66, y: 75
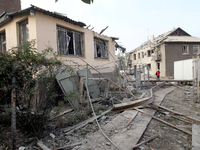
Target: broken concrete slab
x: 195, y: 137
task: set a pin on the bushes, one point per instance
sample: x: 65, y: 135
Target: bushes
x: 29, y: 68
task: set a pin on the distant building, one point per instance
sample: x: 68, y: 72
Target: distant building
x: 162, y: 51
x: 10, y: 5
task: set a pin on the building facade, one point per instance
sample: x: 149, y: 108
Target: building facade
x: 67, y: 37
x: 161, y: 52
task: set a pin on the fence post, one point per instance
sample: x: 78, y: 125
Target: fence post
x: 143, y: 73
x: 148, y: 73
x: 86, y: 81
x: 119, y: 79
x: 139, y: 76
x: 13, y: 105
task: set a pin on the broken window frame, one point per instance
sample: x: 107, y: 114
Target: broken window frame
x: 3, y: 42
x: 69, y: 42
x: 100, y: 48
x: 185, y: 49
x: 23, y: 32
x: 195, y: 49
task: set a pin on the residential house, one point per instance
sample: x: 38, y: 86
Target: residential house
x: 67, y: 37
x: 162, y: 51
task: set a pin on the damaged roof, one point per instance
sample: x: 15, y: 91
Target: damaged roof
x: 6, y: 17
x: 175, y: 35
x: 182, y: 39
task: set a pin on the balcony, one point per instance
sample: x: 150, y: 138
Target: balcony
x: 156, y: 56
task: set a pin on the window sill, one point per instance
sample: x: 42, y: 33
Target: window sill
x: 101, y: 59
x: 185, y: 53
x: 73, y: 56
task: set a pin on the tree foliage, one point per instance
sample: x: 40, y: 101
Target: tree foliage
x: 31, y: 70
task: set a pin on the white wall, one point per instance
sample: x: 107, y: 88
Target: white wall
x: 183, y: 70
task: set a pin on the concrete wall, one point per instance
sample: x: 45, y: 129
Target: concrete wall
x: 43, y: 29
x: 174, y: 53
x: 10, y: 5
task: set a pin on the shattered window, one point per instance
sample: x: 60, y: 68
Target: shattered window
x: 69, y: 42
x: 23, y: 32
x: 100, y: 48
x: 3, y: 42
x: 185, y: 49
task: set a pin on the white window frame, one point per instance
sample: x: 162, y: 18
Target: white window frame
x: 185, y: 49
x: 100, y: 48
x: 23, y: 32
x: 3, y: 42
x: 69, y: 42
x: 195, y: 49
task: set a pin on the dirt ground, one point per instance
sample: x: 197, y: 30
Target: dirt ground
x: 180, y: 99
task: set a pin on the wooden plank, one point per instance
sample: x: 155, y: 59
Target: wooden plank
x: 177, y: 113
x: 171, y: 125
x: 84, y: 123
x: 131, y: 120
x: 68, y: 146
x: 149, y: 139
x: 195, y: 137
x: 42, y: 146
x: 144, y: 101
x: 131, y: 104
x: 61, y: 114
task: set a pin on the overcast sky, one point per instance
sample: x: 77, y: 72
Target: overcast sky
x: 132, y: 21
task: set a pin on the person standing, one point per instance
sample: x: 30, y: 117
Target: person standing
x: 158, y: 74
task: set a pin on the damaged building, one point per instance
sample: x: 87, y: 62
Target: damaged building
x: 67, y: 37
x: 161, y: 52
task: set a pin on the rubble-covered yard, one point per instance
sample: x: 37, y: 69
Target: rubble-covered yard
x: 87, y: 135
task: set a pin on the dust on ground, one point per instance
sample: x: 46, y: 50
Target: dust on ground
x: 180, y: 100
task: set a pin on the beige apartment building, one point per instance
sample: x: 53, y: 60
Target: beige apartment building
x: 161, y: 52
x: 67, y: 37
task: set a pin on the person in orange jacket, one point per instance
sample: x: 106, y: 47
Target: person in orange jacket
x: 158, y: 74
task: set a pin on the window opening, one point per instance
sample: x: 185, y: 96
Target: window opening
x: 3, y: 42
x: 185, y: 49
x: 149, y: 53
x: 158, y: 65
x: 138, y: 55
x: 69, y: 42
x: 195, y: 49
x: 134, y: 56
x: 100, y: 48
x: 23, y: 32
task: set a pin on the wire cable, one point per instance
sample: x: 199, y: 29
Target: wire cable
x: 97, y: 120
